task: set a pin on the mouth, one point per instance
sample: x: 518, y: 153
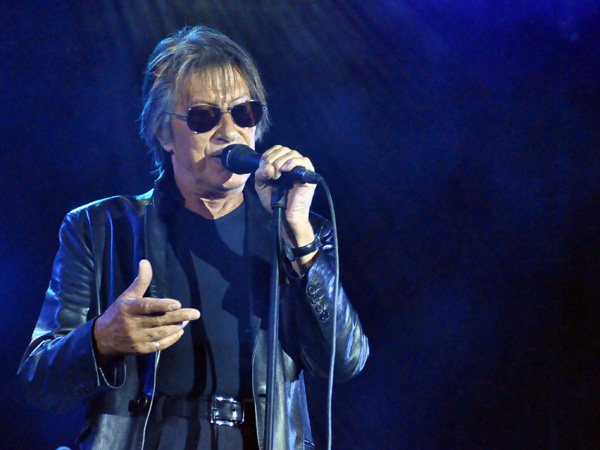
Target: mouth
x: 216, y: 157
x: 217, y: 152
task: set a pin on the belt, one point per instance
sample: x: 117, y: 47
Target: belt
x: 219, y: 410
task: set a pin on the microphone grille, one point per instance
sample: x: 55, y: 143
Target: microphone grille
x: 240, y: 159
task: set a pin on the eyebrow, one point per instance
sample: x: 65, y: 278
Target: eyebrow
x: 204, y: 102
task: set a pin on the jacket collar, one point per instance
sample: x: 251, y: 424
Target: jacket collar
x: 166, y: 197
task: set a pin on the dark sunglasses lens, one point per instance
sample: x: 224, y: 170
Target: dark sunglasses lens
x: 247, y: 114
x: 203, y: 118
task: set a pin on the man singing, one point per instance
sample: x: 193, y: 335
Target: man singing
x: 156, y: 313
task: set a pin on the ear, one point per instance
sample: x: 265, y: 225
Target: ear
x: 165, y: 137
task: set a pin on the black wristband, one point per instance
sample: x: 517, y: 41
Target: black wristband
x: 293, y: 253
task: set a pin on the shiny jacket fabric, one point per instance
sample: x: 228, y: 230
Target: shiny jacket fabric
x: 100, y: 247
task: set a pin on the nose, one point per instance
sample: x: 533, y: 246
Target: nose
x: 226, y: 129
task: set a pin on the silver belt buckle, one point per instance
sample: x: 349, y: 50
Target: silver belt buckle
x: 226, y: 411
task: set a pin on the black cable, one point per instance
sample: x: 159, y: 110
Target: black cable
x: 334, y: 314
x: 278, y: 204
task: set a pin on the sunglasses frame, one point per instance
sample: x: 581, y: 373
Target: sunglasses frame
x: 221, y: 112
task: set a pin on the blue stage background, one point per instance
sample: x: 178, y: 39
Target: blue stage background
x: 461, y: 142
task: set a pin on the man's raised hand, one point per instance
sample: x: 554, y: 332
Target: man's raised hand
x: 135, y: 324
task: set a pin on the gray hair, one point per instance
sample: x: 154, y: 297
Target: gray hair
x: 191, y: 51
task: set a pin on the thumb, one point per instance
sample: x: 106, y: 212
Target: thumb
x: 262, y: 179
x: 142, y: 281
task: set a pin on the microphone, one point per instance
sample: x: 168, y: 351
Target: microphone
x: 240, y: 159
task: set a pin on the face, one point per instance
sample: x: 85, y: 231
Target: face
x: 196, y: 157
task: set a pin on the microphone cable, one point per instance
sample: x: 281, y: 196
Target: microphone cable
x: 156, y: 359
x: 334, y: 313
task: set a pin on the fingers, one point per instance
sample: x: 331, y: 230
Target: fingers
x: 170, y: 318
x: 120, y: 332
x: 160, y: 333
x: 147, y: 305
x: 274, y: 162
x: 280, y: 159
x: 164, y: 335
x: 163, y: 344
x: 148, y: 345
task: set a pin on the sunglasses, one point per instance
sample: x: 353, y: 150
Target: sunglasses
x: 203, y: 118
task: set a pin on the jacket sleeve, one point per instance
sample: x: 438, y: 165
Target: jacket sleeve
x: 314, y: 304
x: 59, y: 369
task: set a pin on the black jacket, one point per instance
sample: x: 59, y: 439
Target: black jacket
x: 100, y: 247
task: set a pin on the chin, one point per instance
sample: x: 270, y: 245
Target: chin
x: 232, y: 183
x: 236, y: 182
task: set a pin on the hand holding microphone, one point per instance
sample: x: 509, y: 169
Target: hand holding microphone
x: 278, y: 162
x: 240, y: 159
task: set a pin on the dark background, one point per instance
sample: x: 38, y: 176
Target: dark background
x: 460, y: 139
